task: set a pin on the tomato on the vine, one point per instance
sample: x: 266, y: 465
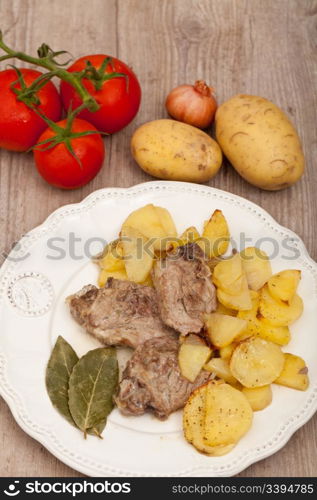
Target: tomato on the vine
x: 113, y: 85
x: 20, y: 126
x: 69, y: 160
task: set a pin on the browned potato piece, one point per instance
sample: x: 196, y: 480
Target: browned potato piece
x: 283, y: 285
x: 229, y: 275
x: 216, y: 236
x: 153, y: 222
x: 138, y: 261
x: 226, y: 352
x: 257, y: 267
x: 190, y: 235
x: 221, y: 309
x: 258, y: 397
x: 294, y: 373
x: 221, y: 368
x: 280, y: 313
x: 192, y: 355
x: 104, y: 275
x: 223, y: 329
x: 193, y: 424
x: 250, y: 316
x: 256, y: 362
x: 228, y: 415
x: 111, y: 259
x: 240, y: 302
x: 280, y: 335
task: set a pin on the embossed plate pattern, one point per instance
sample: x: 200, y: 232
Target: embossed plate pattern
x: 46, y: 266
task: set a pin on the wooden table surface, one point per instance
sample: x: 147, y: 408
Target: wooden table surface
x: 263, y: 47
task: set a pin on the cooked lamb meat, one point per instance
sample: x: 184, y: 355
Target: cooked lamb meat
x: 152, y: 380
x: 121, y: 313
x: 185, y: 291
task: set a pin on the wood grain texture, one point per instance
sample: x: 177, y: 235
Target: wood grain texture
x: 261, y: 47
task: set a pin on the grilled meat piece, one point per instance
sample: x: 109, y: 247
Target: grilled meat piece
x: 185, y: 291
x: 121, y: 313
x: 152, y: 380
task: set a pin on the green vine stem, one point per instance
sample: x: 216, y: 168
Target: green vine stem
x: 47, y: 60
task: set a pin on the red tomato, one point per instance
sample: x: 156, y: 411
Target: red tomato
x: 59, y: 167
x: 20, y: 127
x: 119, y: 98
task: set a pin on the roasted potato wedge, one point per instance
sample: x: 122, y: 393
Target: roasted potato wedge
x: 104, y: 275
x: 216, y: 236
x: 226, y: 352
x: 229, y: 276
x: 138, y: 258
x: 111, y: 258
x: 221, y: 309
x: 294, y: 373
x: 190, y: 235
x: 257, y: 267
x: 241, y: 302
x: 193, y: 424
x: 153, y: 222
x: 256, y: 362
x: 258, y: 397
x: 221, y: 368
x: 280, y: 335
x: 192, y: 355
x: 223, y: 329
x: 166, y: 221
x: 250, y: 316
x: 228, y: 415
x: 280, y: 313
x: 283, y: 285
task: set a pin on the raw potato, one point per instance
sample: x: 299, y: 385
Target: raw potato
x: 294, y: 373
x: 259, y: 397
x: 215, y: 236
x: 138, y: 258
x: 279, y: 313
x: 283, y: 286
x: 221, y: 368
x: 256, y: 362
x: 223, y: 329
x: 259, y: 141
x: 192, y: 355
x: 228, y: 415
x: 257, y: 267
x: 193, y: 424
x: 172, y: 150
x: 153, y: 222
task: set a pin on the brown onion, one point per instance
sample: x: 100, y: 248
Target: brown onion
x: 192, y: 104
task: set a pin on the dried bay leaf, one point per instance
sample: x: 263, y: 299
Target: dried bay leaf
x: 93, y: 381
x: 59, y: 368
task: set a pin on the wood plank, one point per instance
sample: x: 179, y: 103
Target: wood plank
x: 265, y: 48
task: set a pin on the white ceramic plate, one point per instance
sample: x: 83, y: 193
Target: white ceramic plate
x: 34, y: 284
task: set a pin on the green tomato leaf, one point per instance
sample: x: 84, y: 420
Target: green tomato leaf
x: 58, y: 371
x: 93, y: 381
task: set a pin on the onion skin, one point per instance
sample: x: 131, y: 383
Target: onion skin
x: 192, y: 104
